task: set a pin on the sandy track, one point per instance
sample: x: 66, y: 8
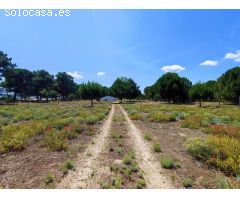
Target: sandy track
x: 147, y: 162
x: 87, y: 165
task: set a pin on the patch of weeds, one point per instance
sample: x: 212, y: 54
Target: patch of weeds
x: 119, y: 150
x: 90, y: 120
x: 141, y: 183
x: 89, y: 154
x: 48, y: 179
x: 55, y: 140
x: 167, y: 163
x: 148, y: 137
x: 159, y: 117
x: 157, y: 147
x: 222, y: 183
x: 66, y: 166
x: 105, y: 185
x: 117, y: 182
x: 187, y: 182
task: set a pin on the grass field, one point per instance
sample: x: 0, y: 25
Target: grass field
x: 218, y: 147
x: 40, y: 143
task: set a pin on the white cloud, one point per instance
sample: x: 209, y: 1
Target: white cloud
x: 101, y: 73
x: 75, y: 75
x: 173, y: 68
x: 233, y: 55
x: 209, y: 63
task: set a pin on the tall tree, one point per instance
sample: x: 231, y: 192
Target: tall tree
x: 18, y: 81
x: 230, y: 82
x: 91, y: 91
x: 199, y: 91
x: 42, y: 83
x: 65, y: 84
x: 5, y: 63
x: 124, y: 87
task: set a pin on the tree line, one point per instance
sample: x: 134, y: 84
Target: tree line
x: 173, y: 88
x: 169, y: 87
x: 41, y: 84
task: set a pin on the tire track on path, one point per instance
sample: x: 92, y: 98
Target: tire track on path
x: 153, y: 172
x: 86, y: 165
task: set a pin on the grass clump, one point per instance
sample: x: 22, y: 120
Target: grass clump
x: 148, y: 137
x: 66, y: 166
x: 141, y: 183
x: 224, y: 130
x: 135, y: 115
x: 117, y: 182
x: 167, y: 163
x: 157, y: 147
x: 90, y: 120
x: 48, y: 179
x: 187, y: 182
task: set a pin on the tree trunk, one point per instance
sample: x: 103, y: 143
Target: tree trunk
x: 121, y: 100
x: 91, y: 102
x: 200, y: 103
x: 14, y: 96
x: 47, y: 99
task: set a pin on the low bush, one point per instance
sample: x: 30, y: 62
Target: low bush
x: 159, y: 117
x: 17, y: 136
x: 194, y: 122
x: 49, y: 179
x: 167, y: 163
x: 218, y: 129
x: 157, y: 147
x: 55, y: 140
x: 187, y: 182
x: 135, y: 115
x: 220, y: 151
x: 117, y: 182
x: 66, y: 166
x: 141, y: 183
x: 90, y: 120
x: 148, y: 136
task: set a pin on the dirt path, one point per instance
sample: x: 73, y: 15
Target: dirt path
x: 86, y: 164
x: 148, y: 163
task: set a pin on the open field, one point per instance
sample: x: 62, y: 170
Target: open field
x: 38, y: 141
x: 139, y: 145
x: 199, y: 145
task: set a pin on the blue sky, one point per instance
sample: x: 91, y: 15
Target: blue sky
x: 141, y: 44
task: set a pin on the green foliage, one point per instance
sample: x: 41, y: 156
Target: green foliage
x: 148, y: 137
x: 193, y: 122
x: 48, y: 179
x: 187, y: 182
x: 17, y: 136
x: 159, y: 117
x: 167, y: 163
x: 230, y: 84
x: 55, y: 140
x: 125, y: 88
x: 66, y: 166
x: 117, y: 182
x: 157, y: 147
x: 222, y: 152
x: 141, y: 183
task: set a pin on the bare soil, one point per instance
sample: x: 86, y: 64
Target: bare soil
x: 173, y: 139
x: 29, y: 167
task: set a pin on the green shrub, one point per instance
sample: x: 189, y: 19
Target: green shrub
x: 194, y: 122
x: 167, y: 163
x: 49, y: 179
x: 187, y: 182
x: 55, y: 140
x: 16, y: 137
x: 141, y: 183
x: 157, y: 147
x: 148, y: 136
x: 66, y: 166
x: 91, y: 120
x: 159, y: 117
x: 220, y: 151
x: 117, y: 182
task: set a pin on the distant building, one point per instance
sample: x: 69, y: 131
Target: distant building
x: 108, y: 98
